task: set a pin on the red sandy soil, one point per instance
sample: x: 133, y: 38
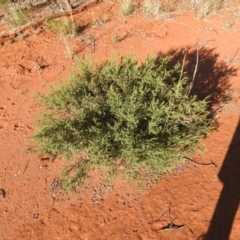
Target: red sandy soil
x: 35, y: 207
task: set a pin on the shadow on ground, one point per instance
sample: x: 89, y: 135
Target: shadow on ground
x: 212, y: 78
x: 228, y: 202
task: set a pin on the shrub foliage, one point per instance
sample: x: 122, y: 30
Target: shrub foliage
x: 137, y: 119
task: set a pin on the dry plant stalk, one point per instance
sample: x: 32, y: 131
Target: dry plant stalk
x: 66, y: 43
x: 195, y: 71
x: 181, y: 74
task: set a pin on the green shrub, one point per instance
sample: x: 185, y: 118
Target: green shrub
x: 129, y: 118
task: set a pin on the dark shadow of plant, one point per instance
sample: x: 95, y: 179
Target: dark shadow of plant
x: 212, y: 78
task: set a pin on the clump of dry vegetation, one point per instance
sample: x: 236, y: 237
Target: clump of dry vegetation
x: 201, y: 8
x: 127, y: 7
x: 204, y: 7
x: 14, y: 15
x: 63, y: 26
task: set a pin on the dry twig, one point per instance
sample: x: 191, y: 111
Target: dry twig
x: 171, y: 225
x: 204, y: 164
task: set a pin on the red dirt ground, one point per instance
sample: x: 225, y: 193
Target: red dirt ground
x: 203, y: 198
